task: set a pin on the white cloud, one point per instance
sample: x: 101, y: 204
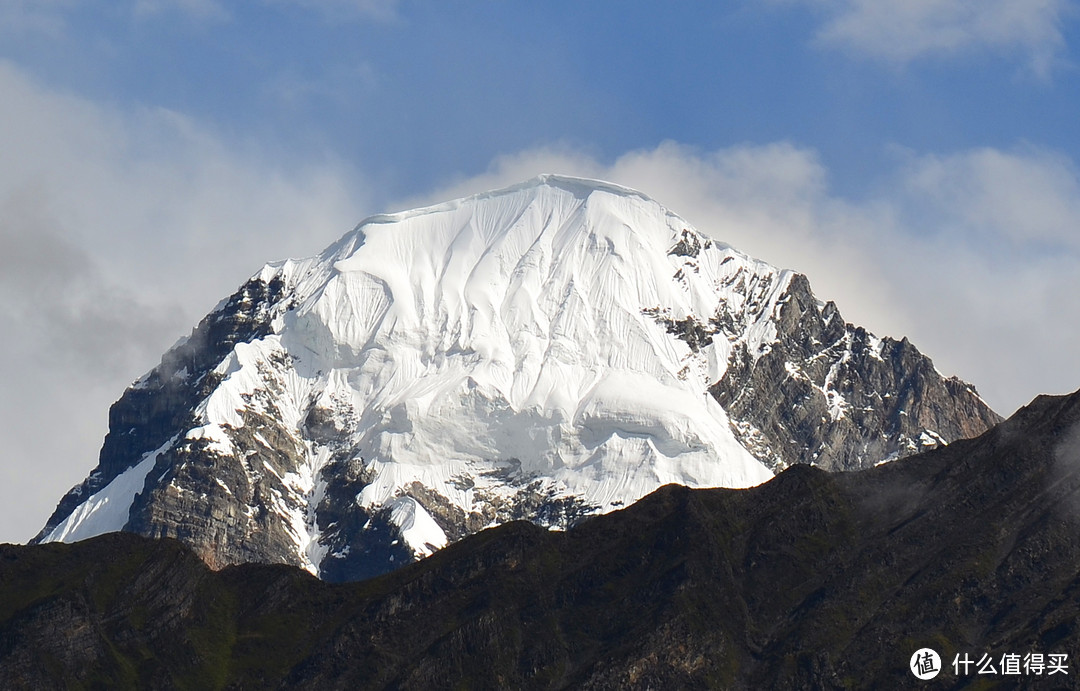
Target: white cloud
x: 1031, y: 198
x: 900, y: 32
x: 34, y: 17
x: 118, y: 231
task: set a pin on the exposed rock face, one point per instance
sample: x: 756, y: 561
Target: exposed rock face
x: 545, y: 352
x: 193, y: 498
x: 830, y: 394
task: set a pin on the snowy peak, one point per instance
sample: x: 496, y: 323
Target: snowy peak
x: 544, y: 186
x: 550, y: 350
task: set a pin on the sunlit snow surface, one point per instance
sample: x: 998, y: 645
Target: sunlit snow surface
x: 418, y: 528
x: 107, y: 510
x: 510, y: 326
x: 504, y: 337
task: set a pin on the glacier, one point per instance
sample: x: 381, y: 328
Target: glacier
x: 543, y: 351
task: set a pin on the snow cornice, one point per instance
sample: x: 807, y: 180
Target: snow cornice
x: 579, y: 187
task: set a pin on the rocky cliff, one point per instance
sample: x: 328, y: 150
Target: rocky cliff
x: 830, y: 394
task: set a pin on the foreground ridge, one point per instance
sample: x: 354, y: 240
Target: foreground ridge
x: 812, y: 580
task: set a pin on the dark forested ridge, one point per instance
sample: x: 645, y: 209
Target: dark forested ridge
x: 813, y: 580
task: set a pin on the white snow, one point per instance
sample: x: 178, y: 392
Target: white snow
x: 509, y: 325
x: 838, y: 405
x: 931, y: 438
x: 418, y: 528
x: 107, y: 510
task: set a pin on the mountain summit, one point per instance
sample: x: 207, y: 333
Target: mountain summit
x: 546, y: 351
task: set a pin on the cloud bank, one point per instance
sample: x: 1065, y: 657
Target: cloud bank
x: 118, y: 231
x: 900, y: 32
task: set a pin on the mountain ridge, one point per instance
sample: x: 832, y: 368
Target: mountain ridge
x: 813, y: 580
x: 546, y: 351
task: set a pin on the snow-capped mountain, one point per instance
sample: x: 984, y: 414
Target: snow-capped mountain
x: 546, y: 351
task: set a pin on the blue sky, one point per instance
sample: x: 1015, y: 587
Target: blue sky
x: 414, y: 93
x: 918, y: 160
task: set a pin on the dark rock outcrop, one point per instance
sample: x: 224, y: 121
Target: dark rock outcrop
x: 827, y: 393
x: 162, y: 404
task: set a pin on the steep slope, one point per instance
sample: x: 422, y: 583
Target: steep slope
x: 810, y: 581
x: 546, y: 352
x: 833, y: 395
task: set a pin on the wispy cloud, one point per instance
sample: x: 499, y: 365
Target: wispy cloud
x: 900, y: 32
x: 67, y: 313
x: 1029, y: 198
x: 34, y: 17
x: 345, y: 10
x: 197, y: 9
x: 118, y: 231
x: 49, y: 17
